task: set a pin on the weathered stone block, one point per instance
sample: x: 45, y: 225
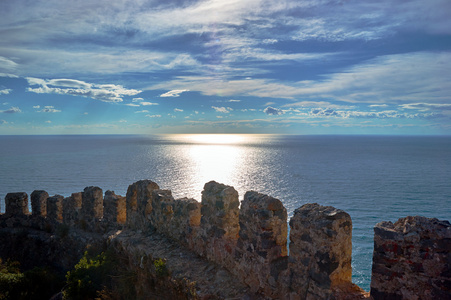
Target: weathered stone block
x: 320, y: 250
x: 139, y: 203
x: 92, y: 206
x: 16, y: 204
x: 71, y: 208
x: 114, y: 208
x: 55, y: 208
x: 262, y: 246
x: 39, y: 203
x: 411, y: 259
x: 219, y: 224
x: 220, y: 209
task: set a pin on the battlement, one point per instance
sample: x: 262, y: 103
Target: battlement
x: 249, y: 239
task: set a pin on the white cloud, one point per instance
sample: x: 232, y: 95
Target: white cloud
x: 137, y: 99
x: 37, y: 106
x: 427, y: 106
x: 5, y: 91
x: 153, y: 116
x: 12, y: 110
x: 173, y: 93
x: 148, y: 103
x: 224, y: 110
x: 7, y: 65
x: 269, y: 41
x: 273, y: 111
x: 233, y: 100
x: 102, y: 92
x: 378, y: 105
x: 141, y: 111
x: 122, y: 121
x: 387, y: 114
x: 3, y: 122
x: 132, y: 105
x: 49, y: 122
x: 49, y: 109
x: 178, y: 110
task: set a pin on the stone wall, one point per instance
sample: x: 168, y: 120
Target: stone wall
x: 411, y: 257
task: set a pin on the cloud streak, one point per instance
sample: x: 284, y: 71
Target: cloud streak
x: 102, y: 92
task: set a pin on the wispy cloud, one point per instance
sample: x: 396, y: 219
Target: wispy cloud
x: 427, y: 106
x: 12, y: 110
x: 102, y: 92
x: 173, y: 93
x: 5, y: 91
x: 224, y: 110
x: 49, y: 109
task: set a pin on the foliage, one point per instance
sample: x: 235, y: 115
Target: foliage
x: 88, y: 277
x: 34, y: 284
x: 160, y: 267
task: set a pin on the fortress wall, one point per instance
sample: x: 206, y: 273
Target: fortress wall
x: 411, y: 257
x: 320, y: 250
x: 39, y: 203
x: 262, y: 242
x: 72, y: 209
x: 16, y: 204
x: 55, y: 208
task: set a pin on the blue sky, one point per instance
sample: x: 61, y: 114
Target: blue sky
x: 238, y: 66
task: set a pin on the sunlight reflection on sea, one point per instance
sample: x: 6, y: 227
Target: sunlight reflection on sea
x: 373, y: 178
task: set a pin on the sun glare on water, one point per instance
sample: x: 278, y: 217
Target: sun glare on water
x: 218, y: 157
x: 215, y: 138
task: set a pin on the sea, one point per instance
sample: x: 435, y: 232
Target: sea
x: 373, y: 178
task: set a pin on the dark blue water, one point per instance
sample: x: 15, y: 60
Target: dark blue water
x: 373, y: 178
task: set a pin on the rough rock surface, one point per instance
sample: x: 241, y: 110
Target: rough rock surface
x: 72, y: 209
x: 411, y: 259
x: 219, y: 224
x: 262, y: 244
x: 16, y: 204
x: 55, y: 208
x: 190, y: 276
x: 39, y: 202
x: 139, y: 203
x: 114, y: 208
x: 92, y: 206
x: 320, y: 251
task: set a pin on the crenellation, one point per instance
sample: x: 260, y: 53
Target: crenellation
x: 219, y: 224
x: 320, y: 250
x: 16, y: 204
x: 92, y: 206
x: 262, y: 243
x: 139, y: 203
x: 55, y: 208
x: 114, y: 208
x: 71, y: 209
x: 39, y: 203
x: 410, y: 260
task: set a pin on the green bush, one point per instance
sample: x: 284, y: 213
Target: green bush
x: 37, y: 283
x: 160, y: 267
x: 88, y: 277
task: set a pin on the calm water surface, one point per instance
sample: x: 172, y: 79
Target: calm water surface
x: 373, y: 178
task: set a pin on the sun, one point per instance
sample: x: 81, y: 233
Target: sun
x: 215, y: 139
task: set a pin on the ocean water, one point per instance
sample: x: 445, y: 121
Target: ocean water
x: 373, y: 178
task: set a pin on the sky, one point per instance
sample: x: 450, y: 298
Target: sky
x: 225, y: 66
